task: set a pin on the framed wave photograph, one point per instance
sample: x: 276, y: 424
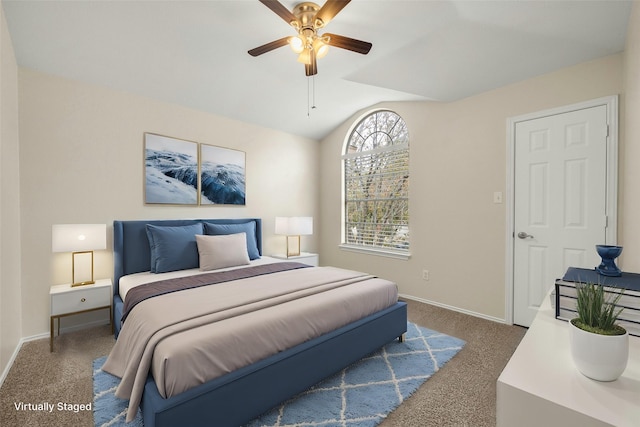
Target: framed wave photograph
x: 171, y: 170
x: 222, y: 176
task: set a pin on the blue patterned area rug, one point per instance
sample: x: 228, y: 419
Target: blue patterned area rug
x: 361, y: 395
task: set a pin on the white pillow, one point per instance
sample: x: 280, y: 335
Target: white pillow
x: 222, y: 251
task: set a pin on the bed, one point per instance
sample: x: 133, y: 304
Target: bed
x: 239, y: 395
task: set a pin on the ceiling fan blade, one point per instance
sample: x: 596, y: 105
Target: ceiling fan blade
x: 269, y: 46
x: 330, y: 9
x: 348, y: 43
x: 312, y: 68
x: 280, y: 10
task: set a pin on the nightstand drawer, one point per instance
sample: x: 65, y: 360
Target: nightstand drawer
x: 80, y: 300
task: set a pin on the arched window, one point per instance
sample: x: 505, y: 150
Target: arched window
x: 376, y: 184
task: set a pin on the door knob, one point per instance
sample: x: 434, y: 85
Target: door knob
x: 524, y: 235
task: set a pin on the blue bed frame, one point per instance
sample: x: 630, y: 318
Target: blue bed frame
x: 236, y: 398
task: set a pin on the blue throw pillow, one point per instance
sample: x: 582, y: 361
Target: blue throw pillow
x: 246, y: 227
x: 173, y: 248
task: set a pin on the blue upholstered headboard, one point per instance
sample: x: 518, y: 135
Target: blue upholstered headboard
x: 131, y: 252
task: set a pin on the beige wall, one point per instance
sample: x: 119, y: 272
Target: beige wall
x: 10, y: 307
x: 630, y: 150
x: 458, y: 160
x: 81, y: 161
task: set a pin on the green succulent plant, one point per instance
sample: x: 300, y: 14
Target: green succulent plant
x: 597, y: 310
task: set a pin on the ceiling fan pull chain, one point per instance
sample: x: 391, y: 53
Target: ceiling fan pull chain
x: 313, y: 94
x: 308, y: 97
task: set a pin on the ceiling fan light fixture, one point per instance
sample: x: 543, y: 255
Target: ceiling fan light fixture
x: 305, y: 57
x: 297, y: 44
x: 321, y: 47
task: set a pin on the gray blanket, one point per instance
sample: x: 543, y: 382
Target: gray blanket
x: 195, y: 335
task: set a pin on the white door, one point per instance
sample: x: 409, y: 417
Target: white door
x: 560, y: 199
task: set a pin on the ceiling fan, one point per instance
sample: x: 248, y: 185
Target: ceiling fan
x: 307, y: 18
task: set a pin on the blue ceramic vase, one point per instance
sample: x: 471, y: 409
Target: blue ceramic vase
x: 608, y: 253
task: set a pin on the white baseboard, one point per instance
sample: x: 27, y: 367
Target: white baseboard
x: 450, y: 307
x: 12, y: 359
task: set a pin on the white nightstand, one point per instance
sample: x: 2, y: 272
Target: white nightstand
x: 67, y: 301
x: 304, y: 257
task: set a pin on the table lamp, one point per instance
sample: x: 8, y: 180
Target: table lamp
x: 294, y: 227
x: 79, y: 239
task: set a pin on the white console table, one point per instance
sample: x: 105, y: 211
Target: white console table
x: 540, y: 386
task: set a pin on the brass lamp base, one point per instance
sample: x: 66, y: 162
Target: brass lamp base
x: 88, y: 282
x: 73, y: 270
x: 295, y: 252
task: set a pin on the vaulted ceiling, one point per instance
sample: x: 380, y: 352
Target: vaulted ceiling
x: 194, y: 53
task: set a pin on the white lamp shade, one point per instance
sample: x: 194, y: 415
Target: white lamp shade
x: 294, y: 226
x: 78, y: 237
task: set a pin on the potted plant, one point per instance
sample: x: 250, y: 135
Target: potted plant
x: 600, y: 347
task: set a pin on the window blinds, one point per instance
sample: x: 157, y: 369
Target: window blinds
x: 377, y: 197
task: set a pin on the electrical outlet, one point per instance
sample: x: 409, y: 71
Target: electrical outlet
x: 425, y: 274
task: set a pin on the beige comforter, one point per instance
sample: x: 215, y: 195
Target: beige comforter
x: 190, y: 337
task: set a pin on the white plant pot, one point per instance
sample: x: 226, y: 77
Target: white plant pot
x: 599, y: 357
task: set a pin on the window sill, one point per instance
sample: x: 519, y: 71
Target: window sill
x: 376, y: 251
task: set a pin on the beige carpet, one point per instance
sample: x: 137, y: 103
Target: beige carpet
x: 463, y: 393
